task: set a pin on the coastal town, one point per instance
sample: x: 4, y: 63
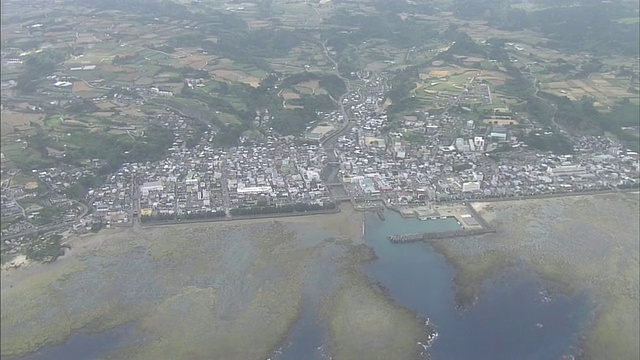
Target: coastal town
x: 349, y: 157
x: 335, y: 179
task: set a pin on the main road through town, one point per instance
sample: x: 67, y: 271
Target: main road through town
x: 330, y: 172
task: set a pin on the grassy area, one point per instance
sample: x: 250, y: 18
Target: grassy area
x: 629, y: 20
x: 192, y: 103
x: 47, y: 215
x: 228, y: 119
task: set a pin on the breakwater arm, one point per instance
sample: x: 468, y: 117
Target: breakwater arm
x: 402, y: 238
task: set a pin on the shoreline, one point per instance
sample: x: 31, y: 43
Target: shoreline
x: 566, y: 242
x: 87, y: 244
x: 439, y: 205
x: 478, y: 209
x: 237, y: 218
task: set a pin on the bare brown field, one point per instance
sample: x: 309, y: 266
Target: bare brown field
x: 557, y: 85
x: 471, y: 72
x: 131, y: 112
x: 105, y: 105
x: 223, y: 61
x: 117, y: 132
x: 493, y: 73
x: 196, y: 61
x: 500, y: 122
x: 259, y: 24
x: 80, y: 86
x: 102, y: 114
x: 130, y: 77
x: 13, y: 120
x: 375, y: 66
x: 109, y: 68
x: 75, y: 123
x: 509, y: 100
x: 493, y: 80
x: 443, y: 73
x: 322, y: 129
x: 237, y: 76
x: 288, y: 95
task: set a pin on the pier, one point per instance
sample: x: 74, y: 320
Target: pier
x: 482, y: 227
x: 404, y: 238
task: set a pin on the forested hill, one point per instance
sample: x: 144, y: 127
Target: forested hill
x: 597, y: 27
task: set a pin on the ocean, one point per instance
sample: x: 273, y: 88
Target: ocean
x: 513, y: 318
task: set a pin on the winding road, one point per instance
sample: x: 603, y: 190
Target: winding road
x: 556, y: 126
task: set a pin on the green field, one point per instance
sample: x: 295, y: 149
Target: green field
x: 629, y: 20
x: 227, y: 118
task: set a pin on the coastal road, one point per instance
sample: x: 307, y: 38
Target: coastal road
x: 39, y: 229
x: 135, y: 201
x: 548, y: 196
x: 225, y: 188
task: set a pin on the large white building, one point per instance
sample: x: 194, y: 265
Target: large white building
x: 147, y: 187
x: 254, y: 190
x: 470, y: 186
x: 567, y: 170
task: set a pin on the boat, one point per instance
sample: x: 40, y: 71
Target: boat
x: 423, y: 218
x: 443, y: 217
x: 433, y: 218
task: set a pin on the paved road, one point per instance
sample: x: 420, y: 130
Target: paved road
x: 328, y: 143
x: 39, y: 229
x: 226, y: 201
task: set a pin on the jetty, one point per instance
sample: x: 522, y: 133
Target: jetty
x: 427, y: 236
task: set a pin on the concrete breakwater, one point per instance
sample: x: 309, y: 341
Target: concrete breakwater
x: 402, y: 238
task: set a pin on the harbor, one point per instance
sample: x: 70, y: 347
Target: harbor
x: 470, y: 222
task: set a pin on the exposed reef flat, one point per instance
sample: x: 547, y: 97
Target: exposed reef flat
x: 207, y: 290
x: 365, y: 324
x: 585, y: 243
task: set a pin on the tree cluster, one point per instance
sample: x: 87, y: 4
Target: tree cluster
x: 284, y: 209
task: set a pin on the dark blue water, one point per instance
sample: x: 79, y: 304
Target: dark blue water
x: 83, y: 346
x: 306, y: 338
x: 511, y: 320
